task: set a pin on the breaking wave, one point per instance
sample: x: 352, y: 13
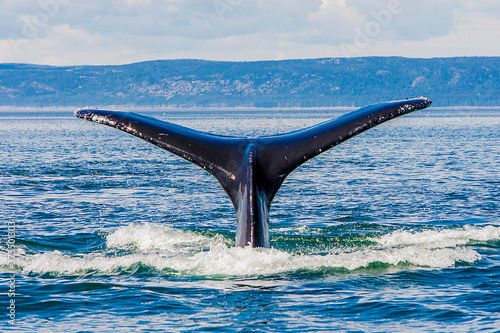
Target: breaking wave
x: 189, y: 253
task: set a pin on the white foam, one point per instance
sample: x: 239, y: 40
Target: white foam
x: 158, y: 247
x: 152, y: 237
x: 221, y: 260
x: 439, y: 238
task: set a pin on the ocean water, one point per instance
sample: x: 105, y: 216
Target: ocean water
x: 395, y: 230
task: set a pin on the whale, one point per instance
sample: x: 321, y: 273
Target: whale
x: 252, y: 169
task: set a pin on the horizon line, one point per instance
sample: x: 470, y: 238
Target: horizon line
x: 247, y: 61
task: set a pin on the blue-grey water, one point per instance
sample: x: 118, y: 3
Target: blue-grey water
x: 396, y: 230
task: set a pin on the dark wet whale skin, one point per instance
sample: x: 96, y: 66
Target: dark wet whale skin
x: 251, y: 170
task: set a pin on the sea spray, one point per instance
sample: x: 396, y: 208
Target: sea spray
x: 164, y: 249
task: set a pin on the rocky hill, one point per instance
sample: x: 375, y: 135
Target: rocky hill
x: 463, y: 81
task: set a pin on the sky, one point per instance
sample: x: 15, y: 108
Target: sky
x: 112, y: 32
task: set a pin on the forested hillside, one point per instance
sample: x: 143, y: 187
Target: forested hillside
x: 464, y: 81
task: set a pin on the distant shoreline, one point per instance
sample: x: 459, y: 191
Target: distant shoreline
x: 308, y: 83
x: 196, y: 109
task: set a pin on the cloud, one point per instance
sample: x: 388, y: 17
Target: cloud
x: 397, y: 19
x: 119, y: 31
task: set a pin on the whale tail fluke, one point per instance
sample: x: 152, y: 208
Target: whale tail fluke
x: 251, y: 170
